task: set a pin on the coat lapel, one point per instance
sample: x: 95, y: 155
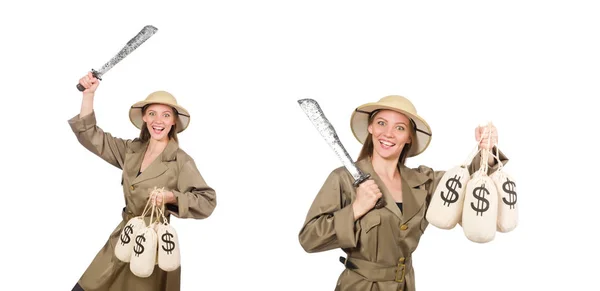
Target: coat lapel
x: 133, y: 160
x: 156, y: 168
x: 366, y: 166
x: 413, y: 197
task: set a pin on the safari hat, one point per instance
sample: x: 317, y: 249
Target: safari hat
x: 360, y: 119
x: 159, y: 97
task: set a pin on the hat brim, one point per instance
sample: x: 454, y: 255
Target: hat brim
x: 359, y: 123
x: 135, y: 114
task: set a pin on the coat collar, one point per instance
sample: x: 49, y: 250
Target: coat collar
x: 413, y: 197
x: 156, y: 168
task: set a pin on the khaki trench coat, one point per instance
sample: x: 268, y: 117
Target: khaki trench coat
x: 380, y: 244
x: 173, y: 169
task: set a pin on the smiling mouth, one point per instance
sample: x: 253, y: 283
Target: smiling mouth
x: 386, y: 144
x: 158, y: 129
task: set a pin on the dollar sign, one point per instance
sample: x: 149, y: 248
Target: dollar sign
x: 452, y: 195
x: 125, y: 239
x: 139, y: 248
x: 509, y: 187
x: 482, y: 204
x: 167, y: 239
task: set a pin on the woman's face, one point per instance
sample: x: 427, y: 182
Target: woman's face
x: 390, y: 130
x: 159, y: 119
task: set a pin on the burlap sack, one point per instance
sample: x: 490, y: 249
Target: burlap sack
x: 445, y: 208
x: 507, y: 199
x: 143, y: 257
x: 169, y: 258
x: 480, y: 211
x: 124, y: 247
x: 125, y: 244
x: 144, y: 252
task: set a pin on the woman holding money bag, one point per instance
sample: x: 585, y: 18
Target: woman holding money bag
x: 152, y: 160
x: 379, y: 242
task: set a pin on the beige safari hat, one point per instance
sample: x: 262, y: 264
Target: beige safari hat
x: 159, y: 97
x: 360, y: 119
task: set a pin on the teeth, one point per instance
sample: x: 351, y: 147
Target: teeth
x: 385, y: 143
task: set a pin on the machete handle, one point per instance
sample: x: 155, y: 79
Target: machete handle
x: 380, y: 203
x: 360, y: 180
x: 95, y: 74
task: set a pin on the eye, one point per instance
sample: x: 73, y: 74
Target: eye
x: 151, y: 113
x: 381, y: 122
x: 167, y: 115
x: 400, y: 127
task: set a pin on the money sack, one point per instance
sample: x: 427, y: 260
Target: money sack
x: 507, y: 201
x: 143, y: 257
x: 125, y: 244
x: 169, y: 258
x: 446, y: 206
x: 480, y: 209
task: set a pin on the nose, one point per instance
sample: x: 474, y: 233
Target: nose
x: 389, y: 131
x: 159, y: 119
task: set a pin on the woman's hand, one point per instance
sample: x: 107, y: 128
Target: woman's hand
x: 488, y: 135
x: 90, y: 83
x: 367, y: 194
x: 165, y: 197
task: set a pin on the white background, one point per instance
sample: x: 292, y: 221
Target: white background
x: 239, y: 67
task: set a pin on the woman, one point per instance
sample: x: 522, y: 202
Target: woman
x: 379, y: 241
x: 152, y: 160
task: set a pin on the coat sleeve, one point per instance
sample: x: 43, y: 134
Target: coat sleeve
x: 476, y: 162
x: 434, y: 176
x: 330, y: 221
x: 195, y: 199
x: 102, y: 144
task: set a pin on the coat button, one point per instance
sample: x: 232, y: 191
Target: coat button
x: 131, y: 187
x: 404, y: 227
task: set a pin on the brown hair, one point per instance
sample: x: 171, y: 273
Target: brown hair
x: 367, y: 148
x: 145, y: 134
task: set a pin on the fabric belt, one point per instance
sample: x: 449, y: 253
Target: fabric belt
x: 376, y: 272
x: 127, y: 214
